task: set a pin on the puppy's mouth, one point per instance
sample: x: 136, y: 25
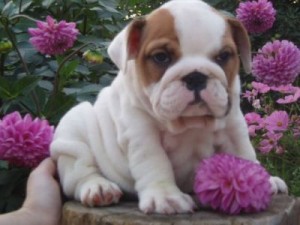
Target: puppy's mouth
x: 198, y: 107
x: 180, y: 100
x: 207, y: 103
x: 197, y: 99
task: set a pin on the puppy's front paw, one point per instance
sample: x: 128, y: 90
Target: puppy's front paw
x: 278, y: 185
x: 165, y: 201
x: 98, y: 191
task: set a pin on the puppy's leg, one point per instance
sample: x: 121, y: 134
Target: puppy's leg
x: 152, y: 170
x: 241, y: 146
x: 75, y: 137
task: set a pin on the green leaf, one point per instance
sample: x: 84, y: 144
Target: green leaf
x: 3, y: 165
x: 10, y: 9
x: 29, y: 53
x: 47, y: 3
x: 5, y: 89
x: 13, y: 188
x: 111, y: 3
x: 91, y: 1
x: 69, y: 68
x: 57, y: 106
x: 14, y: 203
x: 106, y: 80
x: 2, y: 3
x: 108, y: 8
x: 44, y: 71
x: 26, y: 84
x: 5, y: 107
x: 83, y: 70
x: 97, y: 9
x: 25, y: 5
x: 12, y: 176
x: 34, y: 102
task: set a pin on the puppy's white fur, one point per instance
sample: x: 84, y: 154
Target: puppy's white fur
x: 131, y: 139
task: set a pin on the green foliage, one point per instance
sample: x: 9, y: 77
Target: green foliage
x: 12, y: 187
x: 285, y: 165
x: 139, y: 7
x: 34, y: 83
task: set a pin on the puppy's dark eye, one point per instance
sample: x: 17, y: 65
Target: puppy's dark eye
x: 223, y: 57
x: 162, y: 58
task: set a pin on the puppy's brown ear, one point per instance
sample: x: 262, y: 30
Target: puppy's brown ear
x: 242, y: 41
x: 135, y: 37
x: 126, y: 44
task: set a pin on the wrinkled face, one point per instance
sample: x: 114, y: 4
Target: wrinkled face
x: 187, y: 59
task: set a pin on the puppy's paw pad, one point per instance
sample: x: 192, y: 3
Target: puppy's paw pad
x: 278, y: 185
x: 99, y: 192
x: 166, y: 203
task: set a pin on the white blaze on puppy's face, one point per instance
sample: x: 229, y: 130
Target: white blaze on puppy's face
x: 186, y: 57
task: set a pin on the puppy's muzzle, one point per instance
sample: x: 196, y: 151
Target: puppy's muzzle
x: 195, y: 82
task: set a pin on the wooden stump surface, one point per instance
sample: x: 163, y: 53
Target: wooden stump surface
x: 284, y: 210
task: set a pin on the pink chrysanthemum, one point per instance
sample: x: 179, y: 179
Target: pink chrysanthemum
x: 277, y: 63
x: 53, y: 38
x: 24, y: 142
x: 277, y: 121
x: 256, y: 16
x: 232, y: 185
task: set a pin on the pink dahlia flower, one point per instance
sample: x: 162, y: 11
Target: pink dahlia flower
x: 277, y: 63
x: 24, y: 142
x: 232, y: 185
x: 53, y: 38
x: 256, y: 16
x: 277, y: 121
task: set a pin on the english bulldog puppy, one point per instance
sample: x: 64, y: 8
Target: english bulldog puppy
x: 174, y: 102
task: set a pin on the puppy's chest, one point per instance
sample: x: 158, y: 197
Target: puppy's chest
x: 191, y: 145
x: 185, y: 152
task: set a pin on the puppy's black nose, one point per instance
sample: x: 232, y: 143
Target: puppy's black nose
x: 195, y: 81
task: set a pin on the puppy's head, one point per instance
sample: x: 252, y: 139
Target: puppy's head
x: 186, y: 59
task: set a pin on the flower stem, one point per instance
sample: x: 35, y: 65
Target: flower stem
x: 27, y: 109
x: 37, y: 103
x: 12, y: 39
x: 20, y: 6
x: 84, y: 24
x: 56, y: 84
x: 23, y: 16
x: 2, y: 60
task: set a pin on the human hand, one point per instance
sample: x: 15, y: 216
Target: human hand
x: 43, y: 199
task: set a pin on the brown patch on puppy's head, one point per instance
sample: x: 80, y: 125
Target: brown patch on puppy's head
x: 228, y: 57
x: 242, y: 41
x: 235, y: 43
x: 153, y: 43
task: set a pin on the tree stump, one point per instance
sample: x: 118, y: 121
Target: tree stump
x: 284, y: 210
